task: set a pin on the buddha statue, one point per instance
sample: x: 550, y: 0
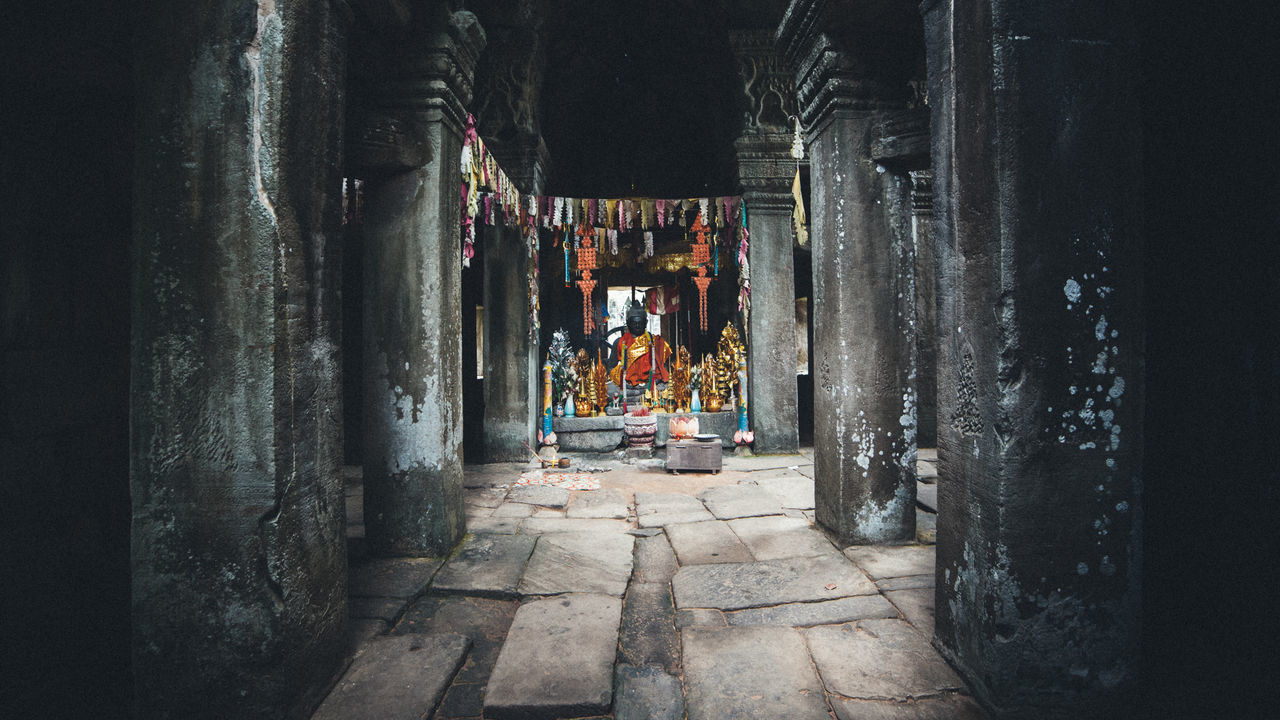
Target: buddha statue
x: 642, y: 356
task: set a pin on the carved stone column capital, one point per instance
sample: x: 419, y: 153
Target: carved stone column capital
x: 435, y: 75
x: 922, y: 192
x: 858, y: 66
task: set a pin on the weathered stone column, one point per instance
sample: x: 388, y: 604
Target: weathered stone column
x: 864, y: 400
x: 766, y: 169
x: 508, y: 84
x: 1041, y: 388
x: 926, y: 309
x: 238, y: 549
x: 412, y: 304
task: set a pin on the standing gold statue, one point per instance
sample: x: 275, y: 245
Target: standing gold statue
x: 586, y: 386
x: 680, y: 392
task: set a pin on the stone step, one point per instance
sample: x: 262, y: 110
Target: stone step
x: 557, y: 660
x: 396, y: 677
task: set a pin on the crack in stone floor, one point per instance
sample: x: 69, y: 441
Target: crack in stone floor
x: 657, y: 596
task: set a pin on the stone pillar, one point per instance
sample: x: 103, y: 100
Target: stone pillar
x: 238, y: 544
x: 765, y: 170
x: 412, y: 304
x: 1041, y: 347
x: 511, y: 372
x: 508, y: 84
x: 926, y: 309
x: 864, y: 400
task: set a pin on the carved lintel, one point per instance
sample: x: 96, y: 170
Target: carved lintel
x: 381, y: 143
x: 922, y: 192
x: 762, y: 202
x: 436, y: 79
x: 508, y: 86
x: 765, y: 163
x: 847, y: 56
x: 904, y: 138
x: 768, y: 87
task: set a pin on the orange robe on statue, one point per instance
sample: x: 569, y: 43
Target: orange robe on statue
x: 639, y: 354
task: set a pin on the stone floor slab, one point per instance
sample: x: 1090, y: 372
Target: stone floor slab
x: 485, y: 497
x: 648, y: 635
x: 462, y: 700
x: 512, y: 510
x: 827, y: 612
x: 661, y: 509
x: 647, y: 693
x: 737, y: 586
x: 916, y: 605
x: 926, y: 527
x: 543, y: 495
x: 796, y: 492
x: 590, y: 562
x: 396, y: 677
x: 776, y: 536
x: 536, y: 678
x: 735, y: 501
x: 950, y: 707
x: 488, y: 565
x: 710, y: 541
x: 910, y: 582
x: 655, y: 561
x: 604, y: 503
x: 885, y: 561
x: 385, y: 609
x: 539, y: 526
x: 879, y: 660
x: 750, y: 672
x: 699, y: 616
x: 927, y: 496
x: 392, y: 577
x: 493, y: 525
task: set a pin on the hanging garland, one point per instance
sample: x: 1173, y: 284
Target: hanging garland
x: 586, y: 263
x: 701, y: 256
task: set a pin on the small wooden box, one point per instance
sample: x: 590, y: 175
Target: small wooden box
x: 694, y: 455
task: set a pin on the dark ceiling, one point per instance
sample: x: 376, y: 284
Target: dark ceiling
x: 639, y: 98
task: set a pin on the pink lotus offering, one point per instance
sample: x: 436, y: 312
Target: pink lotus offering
x: 683, y: 427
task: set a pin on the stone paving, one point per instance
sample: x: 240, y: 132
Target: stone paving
x: 657, y: 596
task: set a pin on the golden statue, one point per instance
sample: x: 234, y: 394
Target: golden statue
x: 680, y: 391
x: 586, y: 400
x: 730, y: 354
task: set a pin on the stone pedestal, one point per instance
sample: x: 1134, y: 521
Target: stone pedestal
x: 1041, y: 352
x: 863, y: 303
x: 238, y: 546
x: 412, y: 303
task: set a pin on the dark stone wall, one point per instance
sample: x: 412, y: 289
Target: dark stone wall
x: 1210, y: 631
x: 238, y: 548
x: 65, y: 204
x: 1041, y: 383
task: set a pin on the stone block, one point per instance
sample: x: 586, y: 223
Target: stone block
x: 775, y: 536
x: 604, y: 503
x: 494, y: 526
x: 396, y: 677
x: 879, y: 660
x: 709, y: 541
x: 750, y: 672
x: 886, y: 561
x: 827, y: 612
x: 585, y: 562
x: 385, y: 609
x: 647, y: 693
x: 772, y: 582
x: 926, y: 527
x: 392, y: 577
x: 735, y: 501
x: 535, y: 677
x: 648, y: 635
x: 487, y: 565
